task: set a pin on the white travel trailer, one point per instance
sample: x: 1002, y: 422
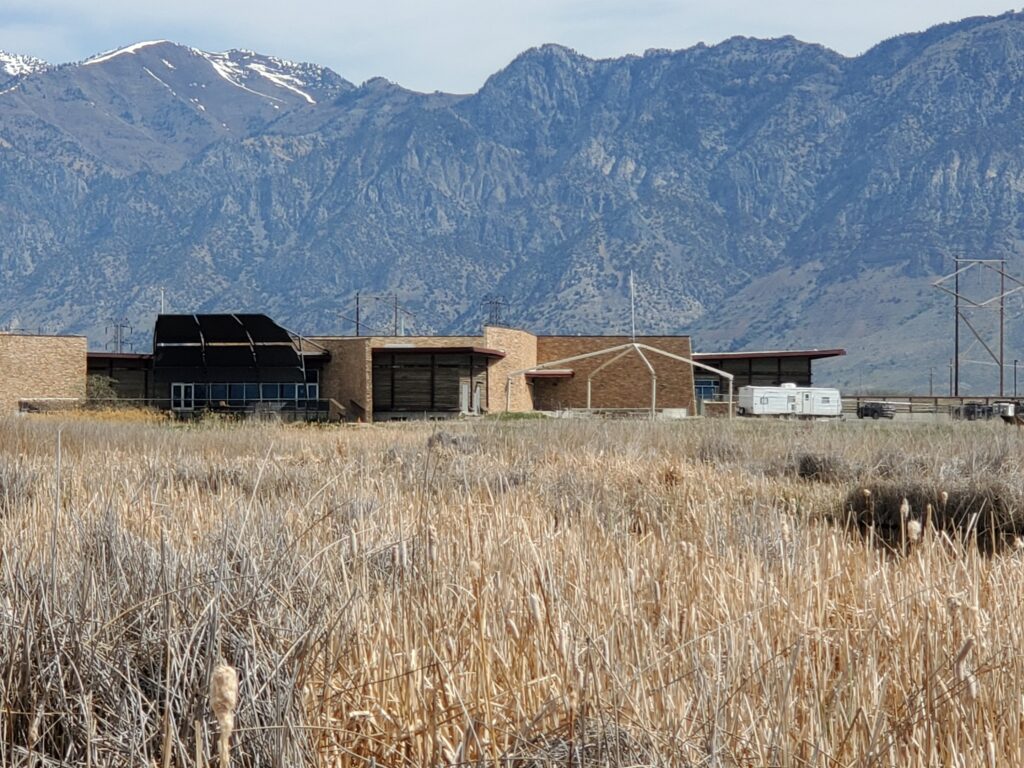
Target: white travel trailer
x: 790, y: 400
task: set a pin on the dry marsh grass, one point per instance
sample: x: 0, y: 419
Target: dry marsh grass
x: 524, y: 594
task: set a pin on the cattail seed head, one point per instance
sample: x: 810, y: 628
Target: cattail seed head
x: 913, y: 531
x: 534, y: 602
x: 432, y: 544
x: 511, y: 628
x: 944, y: 497
x: 223, y: 702
x: 867, y: 493
x: 971, y: 686
x: 904, y: 508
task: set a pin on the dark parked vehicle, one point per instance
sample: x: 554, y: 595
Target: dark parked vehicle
x: 873, y: 409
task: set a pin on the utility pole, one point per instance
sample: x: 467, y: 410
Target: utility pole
x: 395, y: 297
x: 496, y: 307
x: 119, y: 330
x: 357, y: 313
x: 964, y: 303
x: 1002, y: 321
x: 931, y: 374
x: 956, y: 333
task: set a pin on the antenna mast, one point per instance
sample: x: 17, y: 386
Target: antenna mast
x: 632, y: 307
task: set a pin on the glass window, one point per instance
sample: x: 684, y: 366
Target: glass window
x: 252, y: 392
x: 236, y: 394
x: 218, y: 393
x: 287, y: 391
x: 313, y: 391
x: 706, y: 389
x: 270, y: 391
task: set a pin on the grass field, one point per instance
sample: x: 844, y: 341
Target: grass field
x: 532, y: 593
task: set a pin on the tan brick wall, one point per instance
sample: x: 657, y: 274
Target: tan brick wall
x: 346, y: 376
x: 623, y: 384
x: 520, y: 348
x: 37, y: 367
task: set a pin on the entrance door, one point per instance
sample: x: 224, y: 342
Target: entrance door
x: 183, y: 397
x: 464, y: 396
x: 808, y: 407
x: 477, y: 398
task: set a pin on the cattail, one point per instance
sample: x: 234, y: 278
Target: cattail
x: 223, y: 701
x: 971, y: 686
x: 432, y: 545
x: 512, y: 629
x: 905, y: 509
x: 535, y: 606
x: 913, y: 531
x: 867, y: 493
x: 787, y: 534
x: 33, y: 728
x: 944, y: 497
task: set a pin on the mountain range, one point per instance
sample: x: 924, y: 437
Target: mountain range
x: 763, y: 193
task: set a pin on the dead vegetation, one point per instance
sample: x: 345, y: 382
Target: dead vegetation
x: 511, y: 594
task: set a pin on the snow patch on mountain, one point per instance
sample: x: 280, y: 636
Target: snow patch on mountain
x: 284, y: 81
x: 14, y: 64
x: 108, y: 55
x: 224, y: 66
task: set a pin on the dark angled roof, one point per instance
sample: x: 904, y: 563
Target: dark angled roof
x: 223, y: 341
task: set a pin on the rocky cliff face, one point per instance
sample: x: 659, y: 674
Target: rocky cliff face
x: 765, y: 193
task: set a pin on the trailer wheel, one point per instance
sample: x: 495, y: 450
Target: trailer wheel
x: 874, y: 415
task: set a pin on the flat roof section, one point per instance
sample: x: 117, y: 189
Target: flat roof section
x: 98, y: 355
x: 813, y: 354
x: 495, y: 353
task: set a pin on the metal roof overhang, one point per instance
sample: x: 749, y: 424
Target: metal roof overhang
x: 552, y: 373
x: 97, y: 355
x: 497, y: 354
x: 813, y: 354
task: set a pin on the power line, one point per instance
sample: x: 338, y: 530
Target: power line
x: 118, y: 330
x: 497, y: 309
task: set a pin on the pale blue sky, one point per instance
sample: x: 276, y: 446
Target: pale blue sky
x: 453, y: 45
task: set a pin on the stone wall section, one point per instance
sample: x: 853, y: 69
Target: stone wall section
x: 623, y: 384
x: 520, y: 348
x: 345, y: 378
x: 41, y: 368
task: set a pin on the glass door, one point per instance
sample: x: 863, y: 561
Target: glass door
x: 182, y: 397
